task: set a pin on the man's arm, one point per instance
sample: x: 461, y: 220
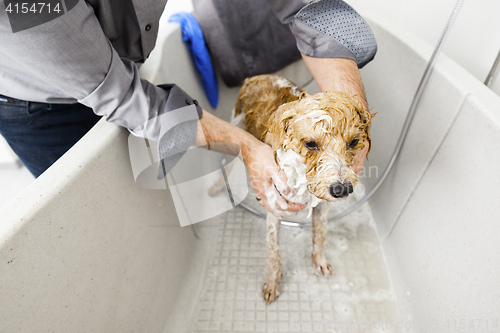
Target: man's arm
x: 339, y: 74
x: 267, y: 182
x: 74, y: 58
x: 70, y: 58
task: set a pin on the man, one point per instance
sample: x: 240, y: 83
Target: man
x: 59, y: 63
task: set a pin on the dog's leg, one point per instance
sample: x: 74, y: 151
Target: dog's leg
x: 271, y: 288
x: 319, y: 215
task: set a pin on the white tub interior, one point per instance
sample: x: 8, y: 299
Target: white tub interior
x: 84, y: 249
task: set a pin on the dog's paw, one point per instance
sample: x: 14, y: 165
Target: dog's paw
x: 270, y: 291
x: 325, y: 270
x: 323, y: 267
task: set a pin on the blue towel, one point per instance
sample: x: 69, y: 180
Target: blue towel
x: 193, y: 37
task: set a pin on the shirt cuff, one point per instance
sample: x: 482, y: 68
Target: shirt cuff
x: 333, y: 29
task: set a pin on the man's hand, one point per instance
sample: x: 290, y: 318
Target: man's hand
x: 269, y: 184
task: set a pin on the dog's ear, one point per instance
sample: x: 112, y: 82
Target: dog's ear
x: 279, y: 125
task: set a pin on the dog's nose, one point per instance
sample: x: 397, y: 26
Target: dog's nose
x: 341, y: 190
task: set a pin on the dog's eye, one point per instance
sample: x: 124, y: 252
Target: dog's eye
x: 311, y: 145
x: 353, y: 143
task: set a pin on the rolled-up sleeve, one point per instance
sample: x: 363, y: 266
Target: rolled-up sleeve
x: 327, y: 29
x: 72, y: 55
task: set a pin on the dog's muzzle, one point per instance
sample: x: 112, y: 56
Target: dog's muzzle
x: 341, y: 190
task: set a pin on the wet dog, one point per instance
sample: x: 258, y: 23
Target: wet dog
x: 314, y: 138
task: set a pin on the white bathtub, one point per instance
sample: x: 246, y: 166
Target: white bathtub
x: 84, y: 249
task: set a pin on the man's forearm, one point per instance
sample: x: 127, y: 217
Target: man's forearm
x: 337, y: 74
x: 216, y: 130
x: 258, y: 157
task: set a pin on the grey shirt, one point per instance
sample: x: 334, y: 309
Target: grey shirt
x: 89, y: 55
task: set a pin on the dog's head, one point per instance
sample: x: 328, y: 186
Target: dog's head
x: 325, y: 130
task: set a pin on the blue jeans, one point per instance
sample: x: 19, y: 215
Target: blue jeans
x: 40, y: 133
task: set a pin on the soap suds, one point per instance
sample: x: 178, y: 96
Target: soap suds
x: 295, y: 170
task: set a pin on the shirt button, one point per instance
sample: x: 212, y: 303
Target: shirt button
x: 148, y: 27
